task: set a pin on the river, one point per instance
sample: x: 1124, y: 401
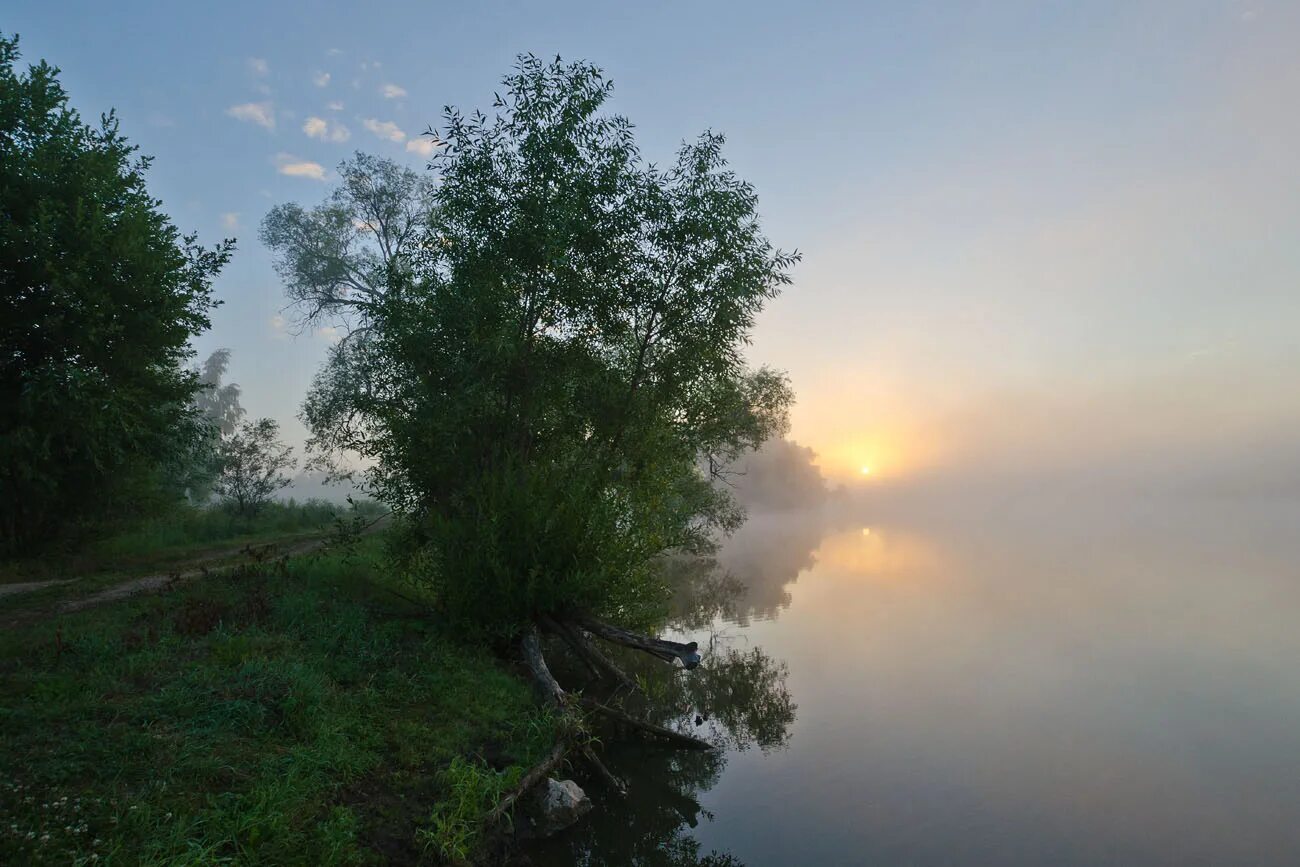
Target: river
x: 1013, y: 684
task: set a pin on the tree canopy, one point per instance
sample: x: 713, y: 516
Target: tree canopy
x: 99, y: 296
x: 336, y: 258
x: 538, y: 391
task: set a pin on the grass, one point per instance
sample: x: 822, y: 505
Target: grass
x: 190, y: 527
x: 253, y: 718
x: 182, y: 533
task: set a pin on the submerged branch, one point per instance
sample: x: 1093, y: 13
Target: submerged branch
x: 614, y: 783
x: 667, y: 734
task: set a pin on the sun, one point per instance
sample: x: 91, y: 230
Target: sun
x: 866, y: 470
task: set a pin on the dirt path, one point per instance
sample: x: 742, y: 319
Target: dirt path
x: 29, y: 586
x: 153, y: 583
x: 265, y: 552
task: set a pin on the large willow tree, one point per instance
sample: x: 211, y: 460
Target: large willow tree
x: 548, y: 379
x: 545, y: 384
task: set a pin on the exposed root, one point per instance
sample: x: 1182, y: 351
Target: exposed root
x: 558, y: 629
x: 555, y: 695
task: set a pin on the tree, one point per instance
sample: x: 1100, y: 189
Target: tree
x: 337, y: 258
x: 536, y: 390
x: 219, y: 413
x: 537, y: 393
x: 253, y: 462
x: 218, y: 404
x: 780, y: 475
x: 99, y: 297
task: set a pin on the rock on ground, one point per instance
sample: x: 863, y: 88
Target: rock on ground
x: 558, y: 804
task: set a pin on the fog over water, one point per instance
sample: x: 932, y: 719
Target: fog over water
x: 1051, y: 682
x: 1093, y: 668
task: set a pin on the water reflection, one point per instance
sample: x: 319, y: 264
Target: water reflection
x: 736, y: 699
x: 1046, y: 684
x: 764, y: 557
x: 1061, y: 684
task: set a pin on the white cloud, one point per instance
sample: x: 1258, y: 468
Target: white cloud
x: 424, y: 146
x: 384, y: 129
x: 392, y: 91
x: 280, y: 326
x: 335, y: 106
x: 258, y: 66
x: 260, y: 113
x: 330, y: 333
x: 230, y: 220
x: 319, y: 127
x: 334, y: 52
x: 290, y: 165
x: 320, y: 79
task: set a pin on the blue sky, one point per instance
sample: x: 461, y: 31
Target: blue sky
x: 999, y: 204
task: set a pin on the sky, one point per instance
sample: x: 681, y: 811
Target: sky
x: 1040, y: 239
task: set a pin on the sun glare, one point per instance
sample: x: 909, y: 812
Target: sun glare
x: 866, y: 471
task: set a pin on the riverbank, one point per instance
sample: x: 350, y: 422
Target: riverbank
x: 295, y: 712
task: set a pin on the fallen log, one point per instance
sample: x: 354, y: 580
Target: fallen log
x: 688, y: 653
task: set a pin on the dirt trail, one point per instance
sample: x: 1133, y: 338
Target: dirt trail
x: 265, y: 552
x: 153, y: 583
x: 29, y: 586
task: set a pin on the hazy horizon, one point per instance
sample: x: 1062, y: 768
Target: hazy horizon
x: 1043, y: 248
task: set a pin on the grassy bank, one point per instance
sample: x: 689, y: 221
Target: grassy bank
x: 178, y: 534
x: 308, y: 717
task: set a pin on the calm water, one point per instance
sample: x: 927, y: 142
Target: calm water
x: 1040, y: 684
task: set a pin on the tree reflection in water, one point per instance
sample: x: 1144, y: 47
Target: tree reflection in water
x: 736, y: 699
